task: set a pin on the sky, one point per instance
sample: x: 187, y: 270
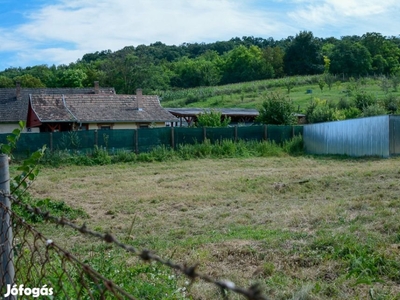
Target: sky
x: 47, y: 32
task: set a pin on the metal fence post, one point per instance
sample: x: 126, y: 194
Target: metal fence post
x: 7, y: 272
x: 265, y: 133
x: 51, y: 141
x: 96, y: 138
x: 172, y: 138
x: 236, y: 133
x: 137, y: 140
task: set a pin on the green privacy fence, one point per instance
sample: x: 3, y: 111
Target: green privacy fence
x: 144, y: 140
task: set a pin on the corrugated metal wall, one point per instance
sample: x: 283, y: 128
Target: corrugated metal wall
x: 394, y: 129
x: 356, y: 137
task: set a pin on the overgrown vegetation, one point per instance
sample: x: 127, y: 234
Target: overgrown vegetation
x: 219, y: 149
x: 27, y: 171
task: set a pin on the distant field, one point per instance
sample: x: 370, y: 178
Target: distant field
x: 252, y: 94
x: 302, y: 227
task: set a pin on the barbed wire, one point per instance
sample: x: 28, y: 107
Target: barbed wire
x: 33, y: 249
x: 252, y: 293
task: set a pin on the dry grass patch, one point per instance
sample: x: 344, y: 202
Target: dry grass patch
x: 311, y: 227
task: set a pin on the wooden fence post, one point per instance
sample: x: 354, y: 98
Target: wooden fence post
x: 204, y: 134
x: 7, y: 271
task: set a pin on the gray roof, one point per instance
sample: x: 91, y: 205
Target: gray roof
x: 224, y: 111
x: 14, y: 110
x: 88, y: 108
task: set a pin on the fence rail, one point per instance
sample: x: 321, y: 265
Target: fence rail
x: 144, y: 140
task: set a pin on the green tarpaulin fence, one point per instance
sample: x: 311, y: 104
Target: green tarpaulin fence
x: 146, y: 139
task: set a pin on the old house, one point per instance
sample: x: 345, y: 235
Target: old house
x: 14, y: 103
x: 65, y: 112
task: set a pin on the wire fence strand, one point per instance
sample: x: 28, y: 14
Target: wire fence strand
x: 39, y: 261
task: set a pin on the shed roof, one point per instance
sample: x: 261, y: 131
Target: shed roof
x: 191, y: 112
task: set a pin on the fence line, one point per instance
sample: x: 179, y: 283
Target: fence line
x: 105, y: 285
x: 145, y: 139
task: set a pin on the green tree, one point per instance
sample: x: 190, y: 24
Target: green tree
x: 304, y: 55
x: 274, y: 57
x: 202, y: 71
x: 384, y: 52
x: 277, y: 110
x: 246, y: 64
x: 72, y: 78
x: 212, y: 118
x: 46, y: 75
x: 29, y: 81
x: 350, y: 58
x: 6, y: 82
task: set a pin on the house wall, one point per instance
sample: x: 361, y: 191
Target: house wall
x: 125, y: 125
x: 9, y: 127
x: 356, y: 137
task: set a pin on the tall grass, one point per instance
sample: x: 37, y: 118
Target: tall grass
x: 220, y: 149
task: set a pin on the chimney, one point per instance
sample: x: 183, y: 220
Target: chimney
x: 96, y: 87
x: 18, y: 89
x: 139, y: 99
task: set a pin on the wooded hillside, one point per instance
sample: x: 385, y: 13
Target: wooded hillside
x: 158, y: 66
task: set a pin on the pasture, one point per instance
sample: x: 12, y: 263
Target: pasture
x: 301, y: 227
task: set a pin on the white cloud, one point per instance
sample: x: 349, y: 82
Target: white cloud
x: 63, y: 31
x: 89, y: 25
x: 337, y: 13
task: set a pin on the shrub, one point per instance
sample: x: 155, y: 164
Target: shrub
x: 100, y: 156
x: 344, y: 103
x: 320, y: 111
x: 192, y: 98
x: 391, y: 103
x: 277, y: 110
x: 212, y: 118
x: 363, y: 100
x: 373, y: 110
x: 295, y: 146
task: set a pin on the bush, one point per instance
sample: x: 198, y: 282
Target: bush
x: 344, y: 103
x: 373, y: 110
x: 277, y: 110
x: 391, y: 103
x: 363, y: 100
x: 100, y: 156
x: 212, y: 118
x: 320, y: 111
x: 295, y: 146
x: 192, y: 98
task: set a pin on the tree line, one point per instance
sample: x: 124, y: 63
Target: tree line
x: 159, y: 66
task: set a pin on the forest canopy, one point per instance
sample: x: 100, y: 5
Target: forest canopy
x: 159, y: 66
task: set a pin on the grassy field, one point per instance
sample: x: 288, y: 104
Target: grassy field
x: 301, y: 227
x: 252, y: 94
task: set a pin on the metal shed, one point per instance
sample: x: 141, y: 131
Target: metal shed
x: 371, y: 136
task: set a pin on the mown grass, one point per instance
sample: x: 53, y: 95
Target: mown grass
x: 301, y: 227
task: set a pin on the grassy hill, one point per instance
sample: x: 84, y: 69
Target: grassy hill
x: 303, y: 89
